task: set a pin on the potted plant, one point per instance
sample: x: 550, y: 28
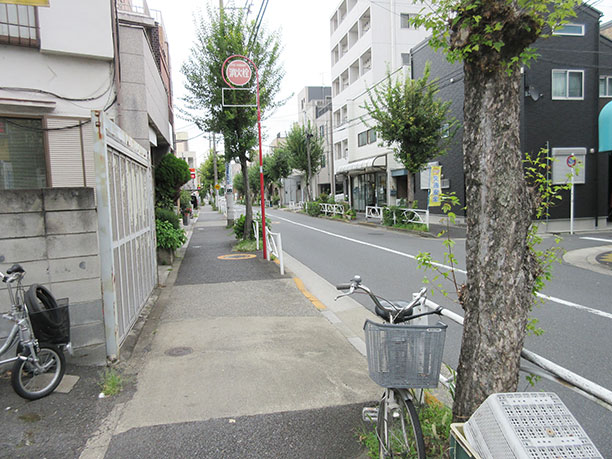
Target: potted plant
x: 169, y: 239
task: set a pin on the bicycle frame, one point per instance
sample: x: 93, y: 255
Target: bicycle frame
x: 22, y: 328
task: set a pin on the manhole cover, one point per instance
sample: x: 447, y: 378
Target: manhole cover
x: 605, y: 259
x: 178, y: 351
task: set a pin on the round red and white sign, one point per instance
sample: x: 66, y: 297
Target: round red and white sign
x: 238, y: 72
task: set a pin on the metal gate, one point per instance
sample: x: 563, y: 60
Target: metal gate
x: 126, y: 228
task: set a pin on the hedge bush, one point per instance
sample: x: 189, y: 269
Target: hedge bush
x: 170, y: 174
x: 167, y: 215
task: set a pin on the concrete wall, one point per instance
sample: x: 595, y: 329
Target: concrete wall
x: 142, y: 96
x: 52, y: 233
x: 90, y: 35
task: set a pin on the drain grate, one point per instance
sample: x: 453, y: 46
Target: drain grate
x: 178, y: 351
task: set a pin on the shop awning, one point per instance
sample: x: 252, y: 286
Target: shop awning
x: 362, y: 165
x: 605, y: 128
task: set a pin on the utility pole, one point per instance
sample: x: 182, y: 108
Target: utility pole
x: 214, y: 153
x: 308, y: 137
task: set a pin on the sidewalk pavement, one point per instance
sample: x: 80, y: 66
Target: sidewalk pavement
x: 235, y: 361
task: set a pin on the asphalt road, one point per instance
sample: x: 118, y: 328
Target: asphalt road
x: 574, y: 337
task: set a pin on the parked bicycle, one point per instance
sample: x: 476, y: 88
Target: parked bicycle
x: 401, y: 358
x: 40, y: 330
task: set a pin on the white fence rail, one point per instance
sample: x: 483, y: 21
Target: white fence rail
x: 550, y: 370
x: 420, y: 216
x: 295, y: 205
x: 332, y: 209
x: 274, y: 243
x: 374, y: 212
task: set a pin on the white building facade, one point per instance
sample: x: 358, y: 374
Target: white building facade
x: 368, y: 39
x: 315, y: 109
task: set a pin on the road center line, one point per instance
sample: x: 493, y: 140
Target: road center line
x: 440, y: 265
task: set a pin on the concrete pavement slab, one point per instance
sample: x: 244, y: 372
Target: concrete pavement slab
x: 246, y: 366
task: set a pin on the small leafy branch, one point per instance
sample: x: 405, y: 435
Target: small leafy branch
x: 425, y: 260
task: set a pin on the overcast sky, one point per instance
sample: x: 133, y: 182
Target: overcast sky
x: 304, y: 28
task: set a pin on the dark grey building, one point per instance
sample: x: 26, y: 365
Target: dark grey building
x: 563, y: 92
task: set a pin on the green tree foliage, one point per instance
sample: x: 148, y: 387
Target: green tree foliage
x: 254, y: 180
x: 493, y: 38
x: 170, y: 174
x: 206, y: 171
x: 412, y: 121
x: 304, y: 149
x: 238, y: 184
x: 220, y: 36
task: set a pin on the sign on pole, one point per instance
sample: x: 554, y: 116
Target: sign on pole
x: 238, y: 72
x: 435, y: 186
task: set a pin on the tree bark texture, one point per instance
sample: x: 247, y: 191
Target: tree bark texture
x: 248, y: 216
x: 497, y: 297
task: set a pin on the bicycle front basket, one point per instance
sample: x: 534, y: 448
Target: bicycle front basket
x: 404, y: 356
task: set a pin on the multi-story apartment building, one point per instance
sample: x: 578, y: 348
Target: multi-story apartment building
x: 565, y: 107
x: 368, y: 39
x: 190, y: 157
x: 315, y: 109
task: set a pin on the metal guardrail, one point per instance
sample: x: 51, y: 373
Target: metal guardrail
x: 333, y: 209
x: 549, y: 370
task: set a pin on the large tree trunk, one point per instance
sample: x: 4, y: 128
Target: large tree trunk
x: 497, y: 298
x: 248, y: 220
x: 409, y: 190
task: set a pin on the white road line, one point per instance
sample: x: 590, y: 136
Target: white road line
x: 412, y: 257
x: 597, y: 239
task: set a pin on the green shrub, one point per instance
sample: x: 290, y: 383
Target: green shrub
x: 313, y: 208
x: 167, y: 236
x: 400, y: 218
x: 322, y: 197
x: 239, y: 227
x: 167, y: 215
x: 331, y: 199
x: 185, y: 200
x: 170, y: 174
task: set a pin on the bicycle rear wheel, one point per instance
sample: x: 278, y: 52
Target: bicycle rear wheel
x: 31, y: 382
x: 398, y: 427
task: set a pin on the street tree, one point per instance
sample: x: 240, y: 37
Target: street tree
x: 206, y: 172
x: 304, y: 148
x: 238, y: 184
x: 411, y: 121
x: 217, y: 37
x: 493, y: 40
x: 276, y: 168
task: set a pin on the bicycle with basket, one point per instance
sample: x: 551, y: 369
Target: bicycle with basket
x: 39, y: 335
x: 402, y: 358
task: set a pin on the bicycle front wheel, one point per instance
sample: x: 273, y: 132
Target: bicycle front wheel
x: 398, y: 427
x: 32, y: 382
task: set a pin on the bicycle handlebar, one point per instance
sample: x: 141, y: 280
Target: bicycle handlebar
x: 390, y: 308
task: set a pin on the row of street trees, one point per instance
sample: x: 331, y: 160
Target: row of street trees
x: 492, y: 38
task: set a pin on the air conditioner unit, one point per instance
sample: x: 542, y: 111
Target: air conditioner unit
x: 527, y: 425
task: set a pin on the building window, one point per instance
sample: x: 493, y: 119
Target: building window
x: 22, y: 154
x: 18, y: 25
x: 371, y: 136
x: 404, y: 20
x: 366, y: 137
x: 362, y: 138
x: 576, y: 30
x: 568, y: 84
x: 605, y: 86
x: 322, y: 131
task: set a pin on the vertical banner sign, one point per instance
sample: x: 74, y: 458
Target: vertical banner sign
x: 435, y: 186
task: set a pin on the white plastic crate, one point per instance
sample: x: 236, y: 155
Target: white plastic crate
x: 534, y: 425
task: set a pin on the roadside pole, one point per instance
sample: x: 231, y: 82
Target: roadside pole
x: 239, y: 74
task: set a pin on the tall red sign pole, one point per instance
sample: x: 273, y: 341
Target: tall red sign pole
x: 239, y: 73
